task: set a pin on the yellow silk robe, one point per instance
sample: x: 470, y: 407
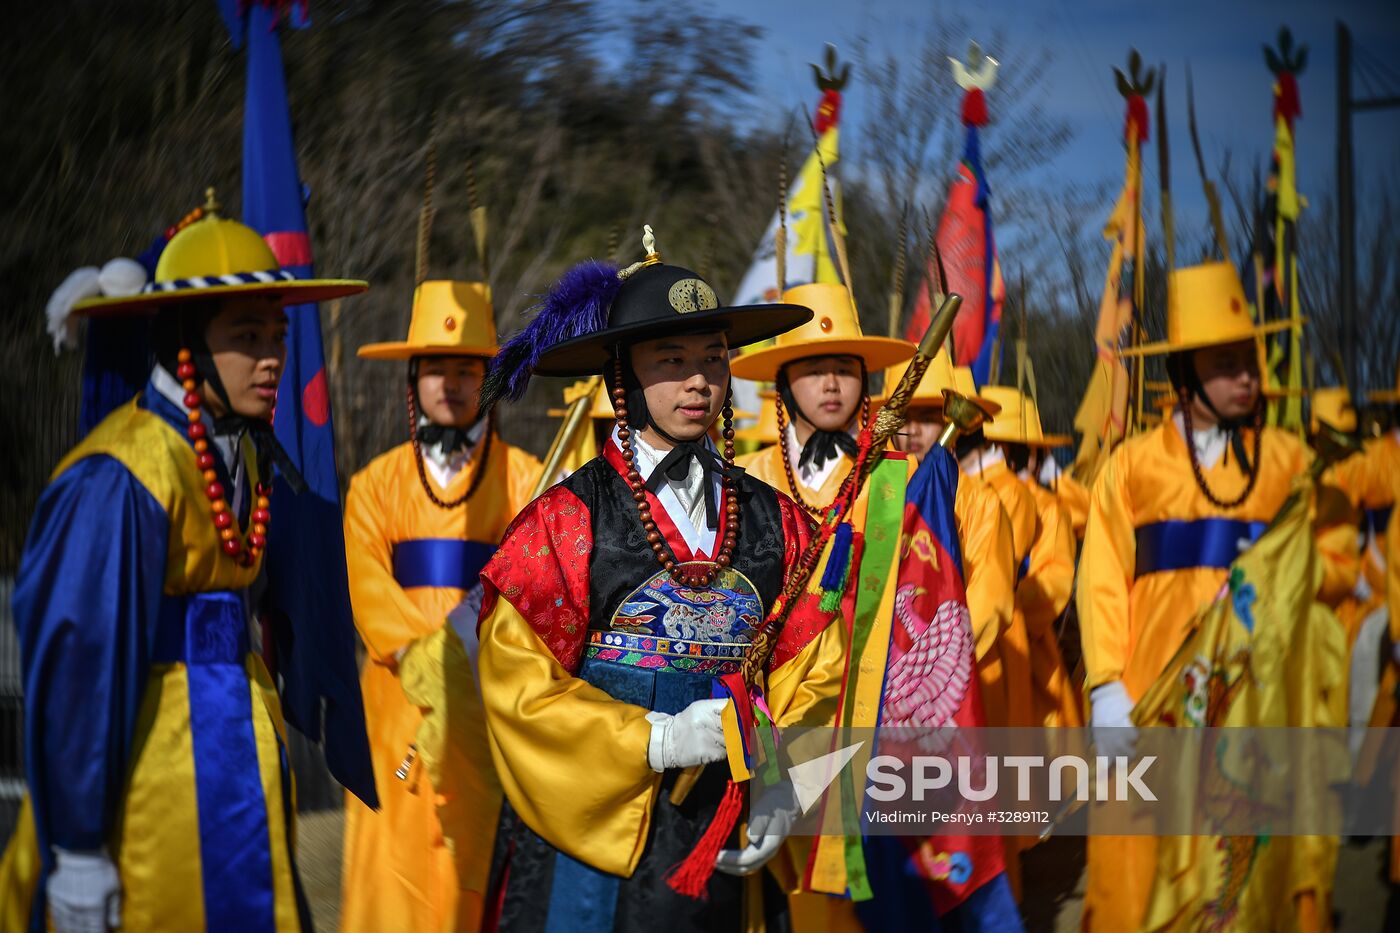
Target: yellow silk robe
x: 1041, y: 597
x: 1131, y: 625
x: 421, y: 862
x: 989, y: 564
x: 1075, y: 498
x: 1021, y: 511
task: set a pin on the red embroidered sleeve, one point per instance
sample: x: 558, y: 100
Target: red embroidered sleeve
x: 541, y: 568
x: 807, y: 620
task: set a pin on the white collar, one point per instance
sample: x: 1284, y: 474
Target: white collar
x: 1209, y: 441
x: 1049, y: 472
x: 445, y: 466
x: 813, y: 476
x: 978, y: 460
x: 174, y: 393
x: 684, y: 501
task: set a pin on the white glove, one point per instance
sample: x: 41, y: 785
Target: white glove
x: 769, y: 824
x: 1111, y: 720
x: 694, y: 736
x: 84, y: 893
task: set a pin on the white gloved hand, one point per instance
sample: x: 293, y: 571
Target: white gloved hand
x: 84, y: 893
x: 770, y: 823
x: 1111, y: 720
x: 694, y: 736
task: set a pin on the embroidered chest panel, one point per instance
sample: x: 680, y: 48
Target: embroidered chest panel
x: 666, y: 626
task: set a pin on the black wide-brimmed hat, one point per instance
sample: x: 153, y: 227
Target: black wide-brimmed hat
x: 594, y: 308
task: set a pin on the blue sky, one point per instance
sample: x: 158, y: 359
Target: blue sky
x: 1221, y: 40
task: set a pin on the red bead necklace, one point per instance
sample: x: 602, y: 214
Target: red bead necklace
x: 246, y: 553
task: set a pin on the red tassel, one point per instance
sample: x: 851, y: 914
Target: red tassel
x: 1137, y: 115
x: 974, y: 108
x: 828, y: 111
x: 692, y: 876
x: 1287, y: 104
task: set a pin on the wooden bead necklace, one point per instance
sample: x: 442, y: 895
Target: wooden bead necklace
x: 1251, y: 476
x: 478, y: 464
x: 816, y: 511
x: 664, y: 555
x: 246, y: 552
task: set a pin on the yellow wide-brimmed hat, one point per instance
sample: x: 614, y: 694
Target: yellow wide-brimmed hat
x: 1206, y: 307
x: 1019, y: 420
x: 929, y: 392
x: 1332, y: 405
x: 832, y: 331
x: 214, y: 257
x: 449, y: 319
x: 765, y: 431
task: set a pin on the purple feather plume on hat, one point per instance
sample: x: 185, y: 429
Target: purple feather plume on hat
x: 577, y: 305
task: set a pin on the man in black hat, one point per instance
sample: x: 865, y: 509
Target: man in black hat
x: 618, y: 612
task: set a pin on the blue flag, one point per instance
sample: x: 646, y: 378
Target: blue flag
x: 307, y: 583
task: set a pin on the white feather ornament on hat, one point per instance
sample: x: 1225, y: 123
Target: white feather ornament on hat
x: 119, y: 278
x: 122, y: 278
x: 81, y: 283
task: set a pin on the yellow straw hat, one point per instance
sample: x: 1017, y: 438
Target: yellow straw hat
x: 766, y: 430
x: 1206, y: 307
x: 1332, y: 405
x: 929, y: 393
x: 1019, y: 420
x: 449, y: 319
x: 215, y: 257
x: 832, y: 331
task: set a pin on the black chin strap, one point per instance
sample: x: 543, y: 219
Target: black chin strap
x: 1233, y: 427
x: 446, y: 438
x: 265, y: 442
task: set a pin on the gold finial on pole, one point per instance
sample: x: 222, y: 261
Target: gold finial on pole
x: 211, y: 202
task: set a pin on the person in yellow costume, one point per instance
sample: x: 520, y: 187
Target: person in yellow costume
x: 621, y: 601
x: 984, y: 460
x: 1046, y: 583
x: 1338, y: 522
x: 155, y: 747
x: 984, y: 531
x: 420, y: 522
x: 1169, y: 512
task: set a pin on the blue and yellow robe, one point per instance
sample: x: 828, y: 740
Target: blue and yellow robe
x: 152, y: 729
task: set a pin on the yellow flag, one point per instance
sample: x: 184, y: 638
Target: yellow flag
x: 1102, y: 417
x: 1264, y: 654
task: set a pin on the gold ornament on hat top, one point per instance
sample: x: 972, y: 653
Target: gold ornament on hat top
x: 653, y: 257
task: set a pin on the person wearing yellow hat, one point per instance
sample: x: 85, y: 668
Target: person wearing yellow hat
x: 621, y: 600
x: 984, y: 531
x: 154, y: 749
x: 1169, y: 512
x: 982, y: 527
x: 1044, y: 588
x: 821, y: 371
x: 421, y: 520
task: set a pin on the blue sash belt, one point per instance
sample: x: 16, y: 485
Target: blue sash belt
x: 206, y: 628
x: 1185, y: 545
x: 1378, y: 519
x: 440, y: 562
x: 1024, y: 569
x: 209, y: 633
